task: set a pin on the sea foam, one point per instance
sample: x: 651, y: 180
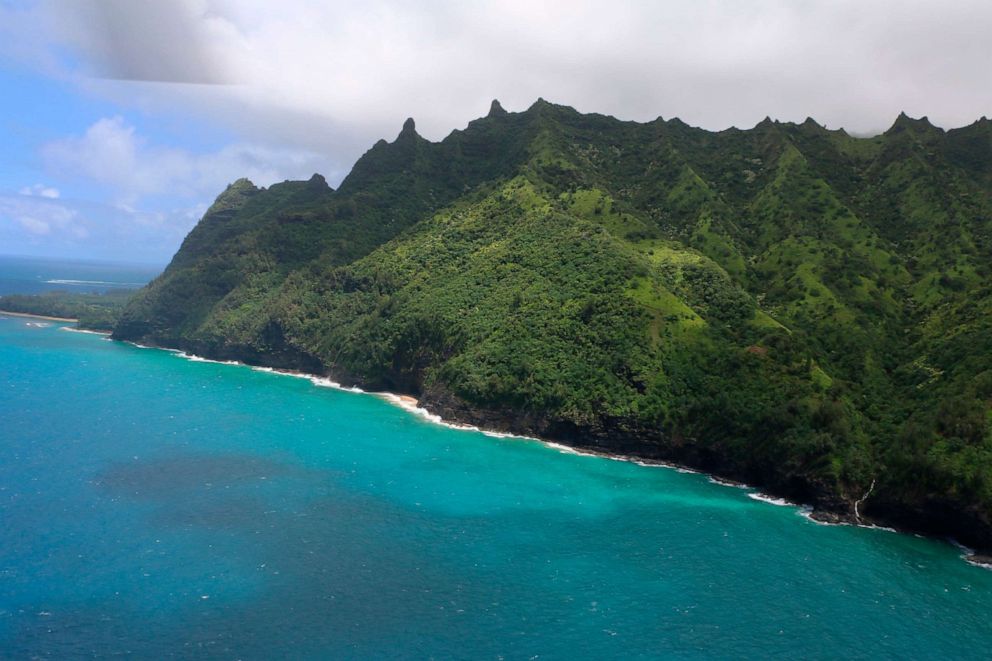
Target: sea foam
x: 83, y: 330
x: 771, y: 500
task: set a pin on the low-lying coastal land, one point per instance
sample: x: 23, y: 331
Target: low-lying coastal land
x: 93, y: 311
x: 37, y: 316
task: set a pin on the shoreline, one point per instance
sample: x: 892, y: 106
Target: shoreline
x: 38, y: 316
x: 412, y: 405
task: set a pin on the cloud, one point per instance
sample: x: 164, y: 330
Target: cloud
x: 113, y: 154
x: 38, y: 217
x: 309, y: 86
x: 40, y: 190
x: 33, y: 225
x: 333, y: 77
x: 173, y: 41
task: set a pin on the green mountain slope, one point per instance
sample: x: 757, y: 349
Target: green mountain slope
x: 786, y: 305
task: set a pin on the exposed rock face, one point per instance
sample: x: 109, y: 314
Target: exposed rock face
x: 495, y: 109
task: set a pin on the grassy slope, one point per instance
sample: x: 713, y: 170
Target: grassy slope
x: 788, y: 304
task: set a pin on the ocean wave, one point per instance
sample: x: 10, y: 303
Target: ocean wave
x: 969, y: 556
x: 272, y: 370
x: 145, y: 346
x: 324, y: 382
x: 567, y: 449
x: 83, y: 330
x: 666, y: 465
x: 200, y: 359
x: 806, y: 512
x: 502, y: 434
x: 771, y: 500
x: 966, y: 550
x: 410, y: 404
x: 319, y: 381
x: 725, y: 483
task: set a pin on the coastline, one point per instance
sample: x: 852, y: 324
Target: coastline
x: 38, y: 316
x: 416, y: 406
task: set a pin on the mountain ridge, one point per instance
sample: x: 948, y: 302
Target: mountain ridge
x: 785, y: 305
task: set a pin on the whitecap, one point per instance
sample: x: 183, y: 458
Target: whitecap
x: 501, y: 434
x: 806, y: 512
x: 83, y: 330
x: 771, y: 500
x: 664, y: 464
x: 565, y: 449
x: 324, y: 382
x: 61, y: 281
x: 200, y: 359
x: 725, y: 483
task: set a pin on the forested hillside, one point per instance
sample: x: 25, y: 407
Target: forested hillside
x: 787, y: 305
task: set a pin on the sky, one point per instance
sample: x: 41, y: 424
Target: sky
x: 121, y: 120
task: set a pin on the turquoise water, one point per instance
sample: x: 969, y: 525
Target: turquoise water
x: 161, y: 507
x: 34, y: 275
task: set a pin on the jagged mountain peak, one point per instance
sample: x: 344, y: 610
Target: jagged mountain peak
x: 318, y: 181
x: 242, y: 184
x: 234, y: 195
x: 906, y: 123
x: 495, y: 109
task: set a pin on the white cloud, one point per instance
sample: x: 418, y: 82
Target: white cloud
x: 378, y: 61
x: 309, y: 86
x: 333, y: 77
x: 112, y: 153
x: 92, y: 229
x: 34, y: 225
x: 38, y: 217
x: 41, y: 190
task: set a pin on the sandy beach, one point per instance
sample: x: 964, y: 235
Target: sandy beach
x: 37, y: 316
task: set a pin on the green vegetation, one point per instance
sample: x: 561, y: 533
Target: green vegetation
x: 786, y: 305
x: 94, y: 311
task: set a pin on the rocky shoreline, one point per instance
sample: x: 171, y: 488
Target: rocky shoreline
x: 611, y: 439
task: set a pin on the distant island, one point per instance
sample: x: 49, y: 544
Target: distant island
x: 788, y: 306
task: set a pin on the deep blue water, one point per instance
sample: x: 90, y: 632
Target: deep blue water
x: 34, y: 275
x: 159, y: 507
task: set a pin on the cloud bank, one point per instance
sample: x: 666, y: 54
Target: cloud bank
x: 112, y: 154
x: 301, y: 86
x: 365, y: 66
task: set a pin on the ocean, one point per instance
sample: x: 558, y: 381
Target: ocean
x: 157, y: 506
x: 35, y: 275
